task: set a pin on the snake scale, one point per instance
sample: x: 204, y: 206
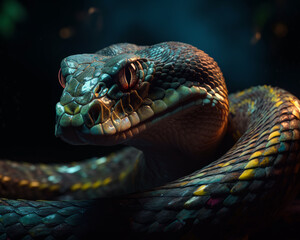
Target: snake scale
x: 169, y: 103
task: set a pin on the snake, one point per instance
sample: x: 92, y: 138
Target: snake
x: 196, y: 160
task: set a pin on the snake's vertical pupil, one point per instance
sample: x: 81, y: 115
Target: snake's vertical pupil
x: 128, y: 75
x: 61, y: 79
x: 128, y: 78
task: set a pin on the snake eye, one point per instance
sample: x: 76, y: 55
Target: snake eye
x: 127, y: 77
x: 61, y: 79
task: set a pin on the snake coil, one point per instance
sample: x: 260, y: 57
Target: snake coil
x: 170, y: 102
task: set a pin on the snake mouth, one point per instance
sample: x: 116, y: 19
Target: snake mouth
x: 120, y: 130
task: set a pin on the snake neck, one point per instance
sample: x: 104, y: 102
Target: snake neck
x: 152, y: 171
x: 178, y: 146
x: 157, y: 168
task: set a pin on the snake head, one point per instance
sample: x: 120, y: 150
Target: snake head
x: 118, y: 93
x: 101, y: 97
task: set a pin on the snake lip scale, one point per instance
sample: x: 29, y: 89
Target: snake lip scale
x: 169, y: 103
x: 120, y: 137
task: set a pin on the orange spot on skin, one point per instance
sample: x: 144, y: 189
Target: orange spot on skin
x: 6, y: 179
x: 54, y: 188
x: 96, y: 184
x: 23, y: 182
x: 76, y: 187
x: 34, y: 184
x: 86, y: 186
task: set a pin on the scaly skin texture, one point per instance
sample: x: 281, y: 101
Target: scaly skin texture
x: 169, y: 101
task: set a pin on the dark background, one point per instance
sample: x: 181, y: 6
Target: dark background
x: 254, y: 43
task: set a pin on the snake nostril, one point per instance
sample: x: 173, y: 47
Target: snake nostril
x: 100, y: 90
x: 95, y: 112
x: 97, y: 89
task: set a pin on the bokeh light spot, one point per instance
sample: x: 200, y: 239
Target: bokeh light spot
x: 92, y: 10
x: 280, y: 30
x: 11, y: 12
x: 66, y: 32
x: 6, y: 26
x: 256, y: 37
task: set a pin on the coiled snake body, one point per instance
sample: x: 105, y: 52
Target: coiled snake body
x: 169, y: 101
